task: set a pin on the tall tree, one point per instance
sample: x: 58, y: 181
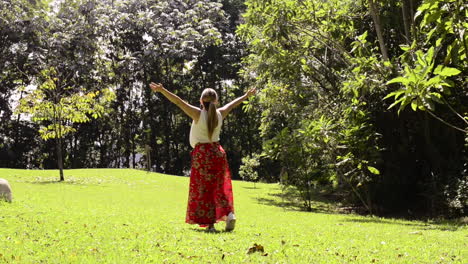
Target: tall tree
x: 55, y: 103
x: 21, y: 25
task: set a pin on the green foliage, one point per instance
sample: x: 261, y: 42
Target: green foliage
x: 433, y: 70
x: 422, y: 85
x: 21, y: 25
x: 305, y: 156
x: 323, y: 89
x: 53, y: 104
x: 123, y: 45
x: 247, y: 170
x: 309, y: 80
x: 426, y: 77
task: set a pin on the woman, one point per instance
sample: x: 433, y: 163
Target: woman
x: 210, y: 192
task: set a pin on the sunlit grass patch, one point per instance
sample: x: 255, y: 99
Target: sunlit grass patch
x: 130, y: 216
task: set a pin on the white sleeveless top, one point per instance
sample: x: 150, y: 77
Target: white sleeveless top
x: 199, y: 130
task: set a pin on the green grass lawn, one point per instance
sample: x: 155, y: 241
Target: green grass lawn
x: 130, y: 216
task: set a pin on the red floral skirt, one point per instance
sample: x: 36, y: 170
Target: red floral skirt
x: 210, y: 193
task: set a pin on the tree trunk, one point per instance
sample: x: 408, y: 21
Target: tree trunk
x: 18, y: 118
x: 433, y: 157
x: 411, y: 9
x: 57, y: 122
x: 59, y: 157
x: 376, y: 18
x: 148, y: 157
x: 133, y: 151
x: 406, y: 21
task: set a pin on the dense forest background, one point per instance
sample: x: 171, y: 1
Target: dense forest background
x: 366, y: 100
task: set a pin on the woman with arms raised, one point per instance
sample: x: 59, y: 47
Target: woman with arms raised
x: 210, y: 192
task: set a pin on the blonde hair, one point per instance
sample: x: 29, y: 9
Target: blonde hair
x: 209, y: 98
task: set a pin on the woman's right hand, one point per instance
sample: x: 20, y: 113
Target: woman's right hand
x: 156, y: 87
x: 251, y: 92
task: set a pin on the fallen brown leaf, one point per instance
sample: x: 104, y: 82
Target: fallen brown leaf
x: 256, y: 248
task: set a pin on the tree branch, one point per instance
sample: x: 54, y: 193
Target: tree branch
x: 445, y: 122
x: 455, y: 112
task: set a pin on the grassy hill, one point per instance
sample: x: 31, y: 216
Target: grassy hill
x: 130, y: 216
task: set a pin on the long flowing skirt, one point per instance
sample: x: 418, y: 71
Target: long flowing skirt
x: 210, y: 193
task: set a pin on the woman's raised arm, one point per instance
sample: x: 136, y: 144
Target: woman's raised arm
x: 190, y: 110
x: 225, y: 110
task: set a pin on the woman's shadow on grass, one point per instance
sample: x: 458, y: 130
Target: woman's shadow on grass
x: 221, y: 231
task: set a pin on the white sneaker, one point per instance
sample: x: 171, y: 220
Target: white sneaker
x: 230, y: 222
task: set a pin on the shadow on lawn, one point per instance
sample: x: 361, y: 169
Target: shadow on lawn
x: 290, y: 199
x: 444, y: 225
x: 252, y: 188
x: 52, y: 182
